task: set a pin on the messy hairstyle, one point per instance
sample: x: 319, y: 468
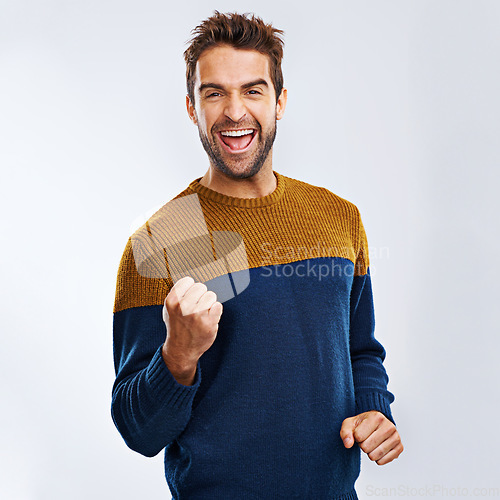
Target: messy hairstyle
x: 241, y: 32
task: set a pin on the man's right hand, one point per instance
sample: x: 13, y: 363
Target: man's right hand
x: 191, y: 314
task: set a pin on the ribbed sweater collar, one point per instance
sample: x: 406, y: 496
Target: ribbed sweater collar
x: 264, y: 201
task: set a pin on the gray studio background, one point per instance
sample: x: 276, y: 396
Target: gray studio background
x: 392, y: 104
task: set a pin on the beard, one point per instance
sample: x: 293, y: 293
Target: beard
x: 214, y: 152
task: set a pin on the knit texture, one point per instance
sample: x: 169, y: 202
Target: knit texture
x: 295, y: 352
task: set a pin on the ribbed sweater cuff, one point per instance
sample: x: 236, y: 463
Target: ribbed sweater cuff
x: 164, y: 385
x: 374, y: 401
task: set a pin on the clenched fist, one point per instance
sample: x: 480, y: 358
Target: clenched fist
x: 375, y: 434
x: 191, y: 314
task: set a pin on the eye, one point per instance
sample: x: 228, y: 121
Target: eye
x: 213, y: 94
x: 256, y: 92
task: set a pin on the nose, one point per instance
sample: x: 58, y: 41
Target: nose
x: 235, y: 108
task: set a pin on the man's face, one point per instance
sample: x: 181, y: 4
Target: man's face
x: 235, y: 109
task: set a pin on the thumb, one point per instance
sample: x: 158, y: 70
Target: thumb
x: 347, y: 430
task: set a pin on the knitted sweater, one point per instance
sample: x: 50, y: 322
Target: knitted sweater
x: 295, y: 352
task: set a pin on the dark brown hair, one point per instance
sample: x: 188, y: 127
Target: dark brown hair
x: 239, y: 31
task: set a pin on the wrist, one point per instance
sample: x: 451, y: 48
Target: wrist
x: 182, y: 368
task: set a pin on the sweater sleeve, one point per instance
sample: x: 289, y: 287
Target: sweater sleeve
x: 149, y: 407
x: 367, y: 354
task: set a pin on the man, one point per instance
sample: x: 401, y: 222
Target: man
x: 274, y: 393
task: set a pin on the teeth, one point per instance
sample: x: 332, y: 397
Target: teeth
x: 237, y: 133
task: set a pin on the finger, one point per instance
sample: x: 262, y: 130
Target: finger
x: 205, y: 302
x: 377, y: 437
x: 175, y: 294
x: 347, y: 430
x: 393, y: 454
x: 383, y: 448
x: 215, y: 311
x: 371, y: 422
x: 180, y: 288
x: 191, y: 298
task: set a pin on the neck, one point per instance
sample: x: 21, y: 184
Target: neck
x: 261, y: 184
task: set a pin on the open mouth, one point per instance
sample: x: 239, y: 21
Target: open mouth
x: 237, y: 141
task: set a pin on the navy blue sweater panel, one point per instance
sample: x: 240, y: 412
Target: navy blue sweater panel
x: 295, y: 354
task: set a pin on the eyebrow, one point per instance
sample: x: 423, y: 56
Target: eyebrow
x: 217, y: 86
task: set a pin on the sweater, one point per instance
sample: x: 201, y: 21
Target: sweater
x: 295, y: 352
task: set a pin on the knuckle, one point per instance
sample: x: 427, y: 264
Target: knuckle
x: 391, y: 434
x: 201, y: 286
x: 364, y: 447
x: 358, y: 435
x: 207, y: 323
x: 172, y: 302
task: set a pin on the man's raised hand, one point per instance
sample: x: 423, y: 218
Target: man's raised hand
x: 191, y: 314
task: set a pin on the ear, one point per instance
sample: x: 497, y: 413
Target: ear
x: 191, y: 111
x: 281, y: 104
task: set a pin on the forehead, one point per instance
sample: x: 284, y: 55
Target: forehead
x: 231, y: 67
